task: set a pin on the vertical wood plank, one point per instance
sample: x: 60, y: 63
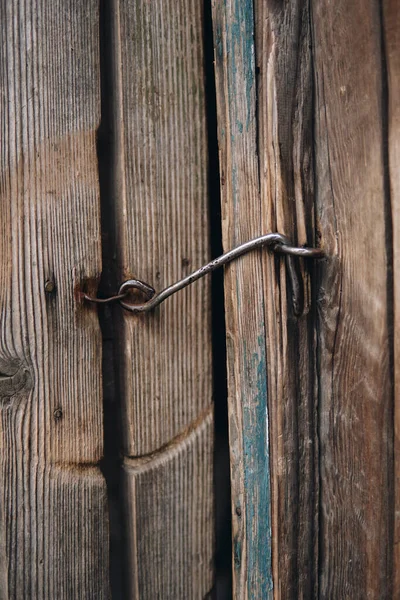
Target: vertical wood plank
x: 161, y: 227
x: 162, y: 219
x: 354, y: 349
x: 391, y: 39
x: 267, y: 185
x: 170, y: 518
x: 284, y: 100
x: 53, y: 513
x: 233, y: 24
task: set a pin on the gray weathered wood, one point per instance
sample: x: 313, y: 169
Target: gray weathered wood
x: 161, y: 231
x: 354, y: 348
x: 391, y: 28
x: 53, y: 513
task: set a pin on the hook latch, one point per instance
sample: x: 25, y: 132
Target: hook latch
x: 275, y: 242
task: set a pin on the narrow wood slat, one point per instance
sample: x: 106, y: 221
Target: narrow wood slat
x: 284, y: 61
x: 170, y: 518
x: 233, y: 24
x: 53, y: 514
x: 355, y: 386
x: 391, y: 33
x: 161, y: 232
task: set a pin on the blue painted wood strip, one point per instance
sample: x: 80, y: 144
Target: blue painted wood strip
x: 246, y: 342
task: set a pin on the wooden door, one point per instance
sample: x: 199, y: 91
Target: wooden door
x: 159, y: 231
x: 53, y: 498
x: 107, y: 426
x: 307, y: 118
x: 106, y: 464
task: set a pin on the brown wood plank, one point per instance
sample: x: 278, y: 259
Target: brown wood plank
x: 233, y: 24
x: 284, y: 61
x: 267, y: 185
x: 170, y: 516
x: 53, y: 513
x: 161, y: 230
x: 391, y: 28
x: 355, y: 387
x: 162, y: 218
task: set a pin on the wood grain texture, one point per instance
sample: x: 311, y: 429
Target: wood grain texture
x: 53, y: 514
x: 162, y: 218
x: 233, y: 24
x: 170, y: 517
x: 355, y: 386
x: 161, y: 232
x: 284, y: 100
x: 391, y: 40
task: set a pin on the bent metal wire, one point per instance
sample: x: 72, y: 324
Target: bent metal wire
x: 275, y: 242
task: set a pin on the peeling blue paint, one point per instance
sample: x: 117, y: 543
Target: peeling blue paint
x: 237, y: 553
x: 240, y: 42
x: 239, y: 45
x: 218, y: 43
x: 257, y: 473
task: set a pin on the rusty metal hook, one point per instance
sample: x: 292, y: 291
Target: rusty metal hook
x: 276, y: 242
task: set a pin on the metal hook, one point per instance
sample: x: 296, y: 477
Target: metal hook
x: 146, y: 289
x: 276, y: 242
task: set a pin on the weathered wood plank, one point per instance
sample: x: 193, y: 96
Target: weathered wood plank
x: 233, y: 24
x: 391, y: 28
x: 283, y: 52
x: 161, y: 233
x: 52, y: 501
x: 284, y: 202
x: 170, y: 508
x: 162, y: 218
x: 354, y: 349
